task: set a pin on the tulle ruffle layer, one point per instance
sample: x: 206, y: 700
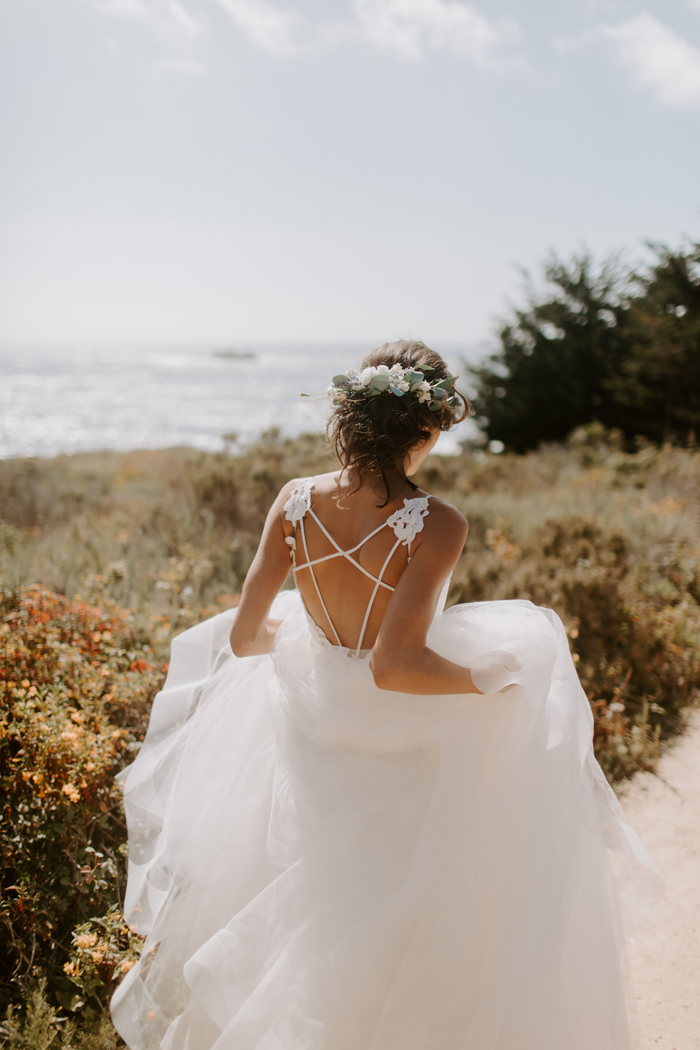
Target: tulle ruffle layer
x: 322, y: 865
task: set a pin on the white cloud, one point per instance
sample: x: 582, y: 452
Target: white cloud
x: 165, y: 16
x: 410, y: 27
x: 659, y: 60
x: 407, y: 27
x: 271, y: 28
x: 123, y: 8
x: 180, y: 18
x: 177, y: 31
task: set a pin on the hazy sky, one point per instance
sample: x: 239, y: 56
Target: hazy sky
x: 247, y: 170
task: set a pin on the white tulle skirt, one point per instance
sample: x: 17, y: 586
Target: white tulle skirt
x: 321, y: 865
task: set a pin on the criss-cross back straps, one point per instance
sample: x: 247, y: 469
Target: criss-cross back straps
x: 339, y: 552
x: 405, y: 523
x: 370, y: 603
x: 309, y: 566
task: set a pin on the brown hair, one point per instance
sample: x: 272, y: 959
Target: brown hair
x: 372, y: 435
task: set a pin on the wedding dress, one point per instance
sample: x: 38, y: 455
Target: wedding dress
x: 323, y: 865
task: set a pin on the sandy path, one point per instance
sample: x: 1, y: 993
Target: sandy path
x: 665, y: 810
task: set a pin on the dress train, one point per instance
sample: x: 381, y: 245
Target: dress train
x: 323, y: 865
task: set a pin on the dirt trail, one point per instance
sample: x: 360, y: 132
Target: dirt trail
x: 665, y: 810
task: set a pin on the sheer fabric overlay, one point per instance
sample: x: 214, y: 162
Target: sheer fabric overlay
x: 322, y: 865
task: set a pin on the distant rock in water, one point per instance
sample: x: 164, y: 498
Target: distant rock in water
x: 234, y: 355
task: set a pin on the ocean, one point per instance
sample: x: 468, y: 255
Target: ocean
x: 70, y: 399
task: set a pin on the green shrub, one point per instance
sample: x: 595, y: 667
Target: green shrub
x: 76, y: 682
x: 42, y: 1028
x: 103, y: 951
x: 608, y: 538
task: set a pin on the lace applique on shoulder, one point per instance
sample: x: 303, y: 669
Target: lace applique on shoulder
x: 299, y: 501
x: 409, y: 520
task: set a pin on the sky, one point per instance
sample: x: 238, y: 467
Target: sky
x: 246, y: 171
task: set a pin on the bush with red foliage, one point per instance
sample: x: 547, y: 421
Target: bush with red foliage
x: 76, y: 683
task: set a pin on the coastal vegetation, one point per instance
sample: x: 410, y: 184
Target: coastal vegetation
x: 104, y: 556
x: 598, y: 341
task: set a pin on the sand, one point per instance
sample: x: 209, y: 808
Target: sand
x: 664, y: 808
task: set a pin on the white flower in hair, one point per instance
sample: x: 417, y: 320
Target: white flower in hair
x: 396, y: 381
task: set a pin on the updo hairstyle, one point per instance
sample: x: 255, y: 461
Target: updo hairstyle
x: 372, y: 435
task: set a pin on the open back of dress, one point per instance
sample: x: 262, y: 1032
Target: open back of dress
x: 405, y: 523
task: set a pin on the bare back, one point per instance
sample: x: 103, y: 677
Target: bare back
x: 370, y: 577
x: 349, y: 553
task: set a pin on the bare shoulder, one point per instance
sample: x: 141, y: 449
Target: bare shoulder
x: 444, y: 526
x: 446, y: 518
x: 326, y: 484
x: 285, y: 492
x: 289, y: 487
x: 282, y: 498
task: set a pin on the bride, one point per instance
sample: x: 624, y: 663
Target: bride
x: 359, y: 821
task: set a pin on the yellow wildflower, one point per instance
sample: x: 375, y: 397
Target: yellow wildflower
x: 86, y: 940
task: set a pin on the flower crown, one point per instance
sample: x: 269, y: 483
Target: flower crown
x: 395, y: 382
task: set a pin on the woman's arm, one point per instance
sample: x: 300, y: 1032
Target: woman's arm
x: 401, y: 660
x: 253, y: 633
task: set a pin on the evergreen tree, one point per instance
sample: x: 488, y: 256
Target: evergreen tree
x: 657, y: 388
x: 558, y: 357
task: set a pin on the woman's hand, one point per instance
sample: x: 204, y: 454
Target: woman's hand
x: 262, y: 642
x: 423, y: 672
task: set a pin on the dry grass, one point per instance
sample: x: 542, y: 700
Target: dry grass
x: 610, y: 540
x: 169, y: 533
